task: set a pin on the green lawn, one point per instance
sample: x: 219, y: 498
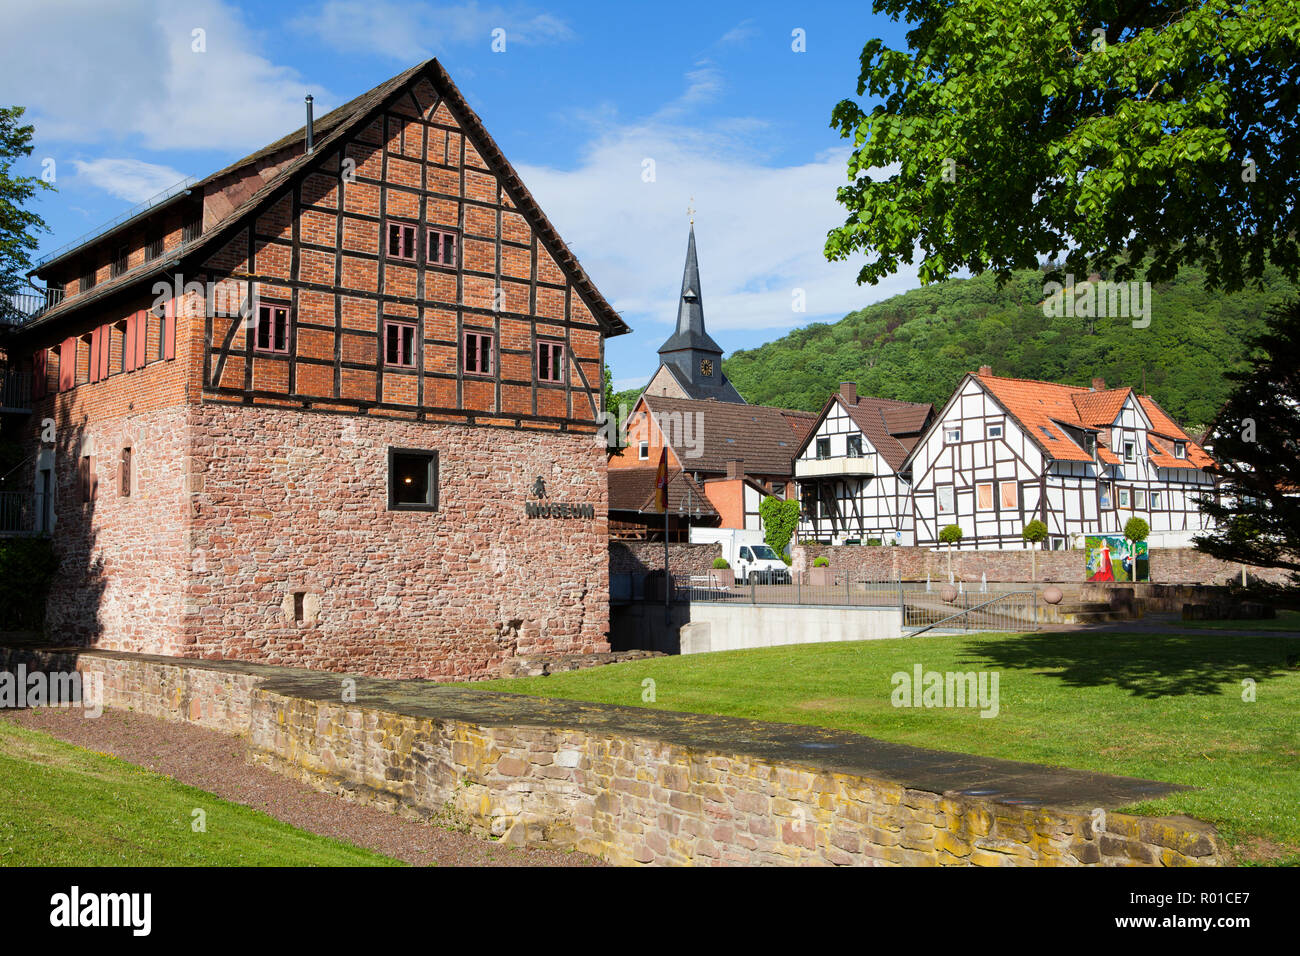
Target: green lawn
x: 62, y: 805
x: 1285, y: 621
x: 1163, y: 707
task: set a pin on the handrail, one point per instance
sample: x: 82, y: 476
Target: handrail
x: 968, y: 610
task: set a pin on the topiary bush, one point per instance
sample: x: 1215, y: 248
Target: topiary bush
x: 1035, y: 532
x: 950, y: 534
x: 821, y: 563
x: 720, y: 564
x: 1136, y: 529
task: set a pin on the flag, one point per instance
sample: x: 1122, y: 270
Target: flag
x: 661, y: 483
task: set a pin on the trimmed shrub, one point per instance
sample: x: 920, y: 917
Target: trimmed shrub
x: 821, y: 562
x: 720, y: 564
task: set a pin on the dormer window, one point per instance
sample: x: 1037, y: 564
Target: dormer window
x: 1090, y: 443
x: 1180, y: 449
x: 1130, y: 451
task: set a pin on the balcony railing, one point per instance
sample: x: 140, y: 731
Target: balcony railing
x: 23, y: 307
x: 21, y: 513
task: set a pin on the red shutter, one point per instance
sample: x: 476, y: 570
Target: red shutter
x: 128, y: 343
x: 94, y: 354
x: 141, y: 338
x: 94, y: 478
x: 67, y: 364
x: 105, y: 351
x: 39, y: 360
x: 169, y: 330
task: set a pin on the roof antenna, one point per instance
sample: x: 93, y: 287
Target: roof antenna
x: 310, y: 145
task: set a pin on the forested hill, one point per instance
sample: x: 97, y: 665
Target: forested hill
x: 916, y: 346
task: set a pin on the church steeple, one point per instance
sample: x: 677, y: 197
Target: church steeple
x: 690, y: 353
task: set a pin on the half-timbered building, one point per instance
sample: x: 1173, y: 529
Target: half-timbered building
x: 1006, y: 451
x: 301, y: 405
x: 852, y: 484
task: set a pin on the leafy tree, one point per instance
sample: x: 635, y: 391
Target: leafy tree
x: 1136, y: 529
x: 1035, y: 532
x: 608, y: 399
x: 17, y: 225
x: 1101, y: 133
x: 950, y: 534
x: 1256, y: 440
x: 780, y: 517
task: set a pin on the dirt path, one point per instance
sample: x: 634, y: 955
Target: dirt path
x: 215, y: 762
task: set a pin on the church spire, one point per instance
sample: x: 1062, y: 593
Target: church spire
x: 690, y: 333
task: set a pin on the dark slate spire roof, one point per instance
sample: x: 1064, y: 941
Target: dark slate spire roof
x: 690, y: 332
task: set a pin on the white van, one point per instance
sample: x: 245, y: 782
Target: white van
x: 750, y: 558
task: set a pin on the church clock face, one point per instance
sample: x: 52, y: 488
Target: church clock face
x: 706, y: 366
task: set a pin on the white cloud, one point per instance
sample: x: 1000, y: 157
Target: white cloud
x: 410, y: 31
x: 129, y: 179
x: 739, y: 34
x: 128, y: 72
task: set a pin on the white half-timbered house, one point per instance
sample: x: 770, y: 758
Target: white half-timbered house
x: 1004, y: 451
x: 849, y: 470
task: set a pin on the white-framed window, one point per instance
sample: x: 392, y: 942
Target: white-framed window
x: 643, y: 450
x: 1010, y: 494
x: 1180, y: 449
x: 951, y: 436
x: 984, y: 496
x: 854, y: 446
x: 1130, y: 451
x: 1155, y: 501
x: 823, y: 448
x: 945, y: 500
x: 1140, y: 500
x: 1105, y: 501
x: 993, y: 431
x: 1125, y: 501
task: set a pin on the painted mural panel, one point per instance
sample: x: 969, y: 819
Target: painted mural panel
x: 1112, y: 557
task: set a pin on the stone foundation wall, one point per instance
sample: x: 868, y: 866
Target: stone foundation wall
x: 1168, y: 565
x: 643, y: 557
x: 628, y: 800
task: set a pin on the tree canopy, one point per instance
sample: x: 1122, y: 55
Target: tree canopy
x: 17, y: 225
x: 1105, y: 134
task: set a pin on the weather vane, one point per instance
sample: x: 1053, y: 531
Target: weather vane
x: 690, y: 210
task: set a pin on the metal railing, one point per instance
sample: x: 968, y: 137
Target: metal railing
x: 15, y: 389
x: 969, y: 609
x: 19, y: 511
x: 22, y: 307
x: 839, y: 590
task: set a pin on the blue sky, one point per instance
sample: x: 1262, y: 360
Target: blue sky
x: 582, y: 97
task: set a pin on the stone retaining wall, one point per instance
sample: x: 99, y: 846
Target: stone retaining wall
x: 627, y: 799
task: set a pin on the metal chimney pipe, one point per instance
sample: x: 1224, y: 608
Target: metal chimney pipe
x: 310, y: 145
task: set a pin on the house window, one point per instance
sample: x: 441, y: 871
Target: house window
x: 1047, y: 431
x: 399, y: 344
x: 154, y: 249
x: 1104, y: 499
x: 477, y: 358
x: 1180, y: 449
x: 945, y: 500
x: 994, y: 431
x: 1124, y: 498
x: 855, y: 446
x: 192, y: 229
x: 951, y: 436
x: 550, y: 361
x: 1130, y: 451
x: 1155, y: 501
x: 88, y: 279
x: 984, y: 496
x: 119, y: 261
x: 86, y: 478
x: 401, y: 241
x: 823, y: 448
x: 272, y: 329
x: 412, y: 480
x: 1010, y: 492
x: 1140, y: 500
x: 441, y: 247
x: 643, y: 450
x: 125, y: 488
x: 160, y: 325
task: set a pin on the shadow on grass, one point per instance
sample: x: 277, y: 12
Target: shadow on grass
x: 1145, y: 665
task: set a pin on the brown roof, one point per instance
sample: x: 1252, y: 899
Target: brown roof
x: 1164, y: 432
x: 328, y: 130
x: 633, y: 489
x: 891, y: 426
x: 765, y: 438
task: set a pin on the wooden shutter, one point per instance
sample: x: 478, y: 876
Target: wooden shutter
x: 67, y: 364
x: 40, y: 358
x: 169, y: 330
x: 94, y: 478
x: 128, y: 341
x: 141, y: 338
x: 105, y: 351
x: 94, y: 354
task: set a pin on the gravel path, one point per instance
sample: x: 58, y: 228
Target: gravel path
x: 215, y: 762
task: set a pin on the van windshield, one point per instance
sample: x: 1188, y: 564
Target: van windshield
x: 764, y: 553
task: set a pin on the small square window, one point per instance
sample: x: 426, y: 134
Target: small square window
x: 272, y: 333
x: 855, y: 446
x: 412, y: 480
x: 401, y: 241
x: 1130, y: 451
x: 399, y: 344
x: 823, y: 448
x: 477, y: 357
x: 643, y: 450
x: 1180, y: 449
x: 550, y: 361
x: 951, y: 436
x: 994, y: 431
x: 441, y: 247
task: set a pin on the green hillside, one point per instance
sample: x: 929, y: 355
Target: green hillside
x: 916, y: 346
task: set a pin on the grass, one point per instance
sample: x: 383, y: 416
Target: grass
x: 1163, y: 707
x: 62, y: 805
x: 1285, y: 621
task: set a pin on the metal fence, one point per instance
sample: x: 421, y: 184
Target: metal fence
x: 15, y: 389
x: 840, y: 590
x: 18, y: 513
x: 975, y: 608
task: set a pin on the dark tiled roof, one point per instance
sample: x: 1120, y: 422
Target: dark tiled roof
x: 766, y: 438
x: 633, y: 489
x: 892, y: 427
x: 327, y: 131
x: 724, y: 391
